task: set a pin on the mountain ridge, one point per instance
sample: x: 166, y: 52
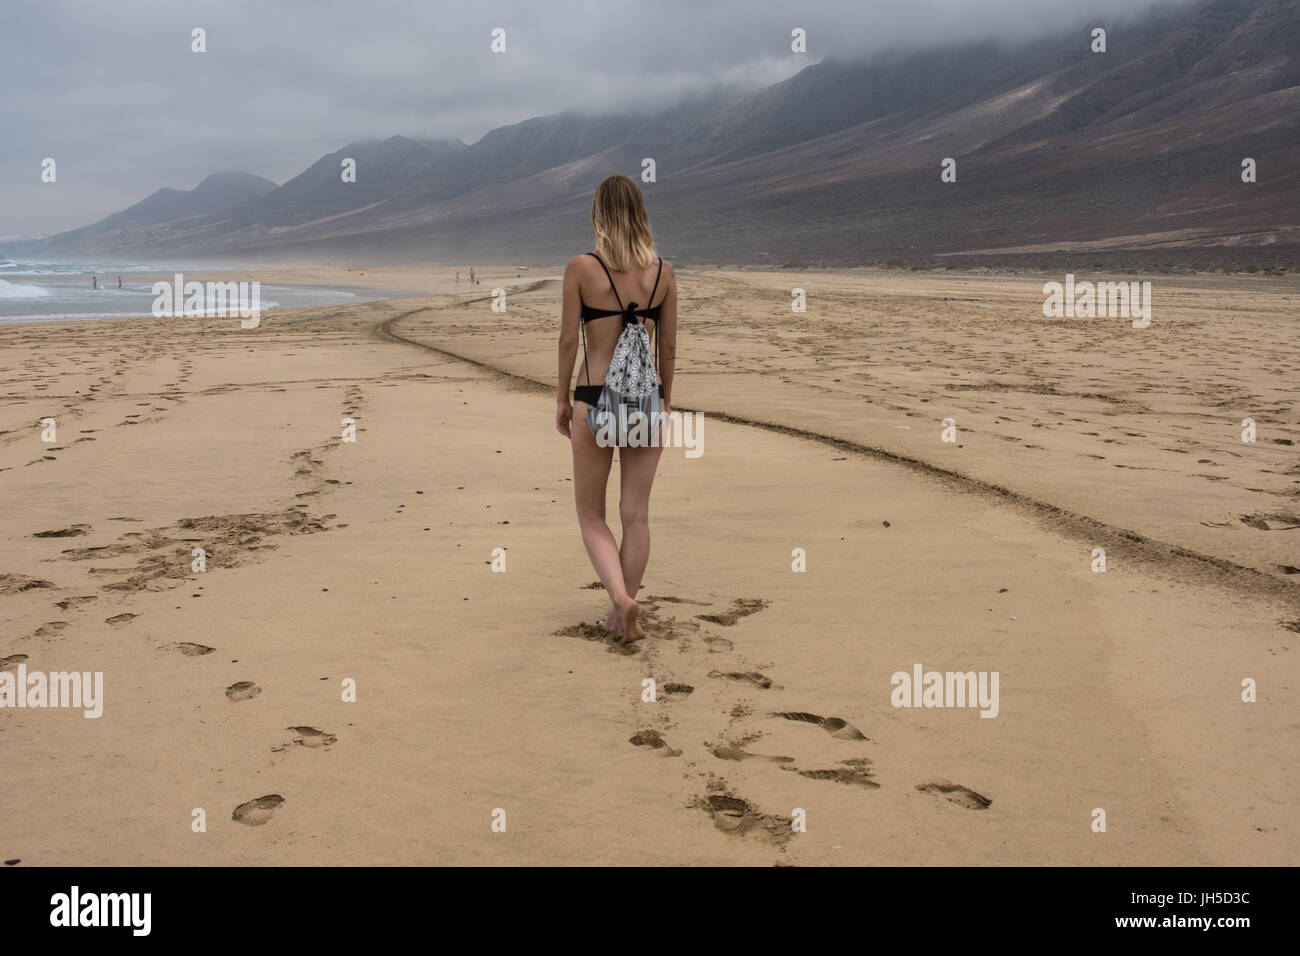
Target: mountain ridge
x: 1141, y: 145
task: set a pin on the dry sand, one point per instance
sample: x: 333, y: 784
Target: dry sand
x: 477, y: 690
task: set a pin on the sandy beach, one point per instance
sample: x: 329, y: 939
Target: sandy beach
x: 368, y: 564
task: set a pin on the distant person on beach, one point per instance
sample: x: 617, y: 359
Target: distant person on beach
x: 472, y: 280
x: 119, y: 282
x: 457, y: 278
x: 623, y: 272
x: 94, y: 282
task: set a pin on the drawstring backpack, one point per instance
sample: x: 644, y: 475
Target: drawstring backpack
x: 627, y: 413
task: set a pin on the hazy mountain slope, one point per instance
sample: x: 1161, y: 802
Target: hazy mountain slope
x: 219, y: 191
x: 1055, y: 145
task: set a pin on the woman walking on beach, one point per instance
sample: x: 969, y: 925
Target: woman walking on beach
x: 599, y: 287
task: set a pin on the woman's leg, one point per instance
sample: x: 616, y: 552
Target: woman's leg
x: 637, y: 467
x: 590, y: 474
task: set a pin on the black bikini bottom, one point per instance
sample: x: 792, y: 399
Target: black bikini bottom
x: 591, y: 393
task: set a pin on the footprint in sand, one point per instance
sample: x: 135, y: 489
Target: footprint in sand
x: 728, y: 752
x: 856, y: 775
x: 243, y: 690
x: 734, y: 815
x: 740, y: 607
x: 119, y: 619
x: 190, y: 650
x: 312, y: 738
x: 75, y: 531
x: 717, y: 645
x: 17, y: 583
x: 594, y: 632
x: 103, y: 551
x: 748, y: 677
x: 676, y: 690
x: 729, y: 813
x: 956, y: 793
x: 1271, y: 522
x: 68, y: 604
x: 50, y: 628
x: 669, y: 599
x: 834, y: 726
x: 6, y: 663
x: 651, y: 740
x: 257, y: 812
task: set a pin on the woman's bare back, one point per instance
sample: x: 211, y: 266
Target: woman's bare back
x: 633, y: 285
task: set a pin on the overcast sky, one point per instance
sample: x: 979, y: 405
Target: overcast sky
x: 113, y: 93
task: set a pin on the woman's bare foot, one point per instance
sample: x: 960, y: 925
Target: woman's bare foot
x: 631, y: 630
x: 613, y: 623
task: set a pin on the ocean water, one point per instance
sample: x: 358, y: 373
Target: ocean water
x: 63, y: 291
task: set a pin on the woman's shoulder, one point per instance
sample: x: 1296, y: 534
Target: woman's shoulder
x: 581, y: 263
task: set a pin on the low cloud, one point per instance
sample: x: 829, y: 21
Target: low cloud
x: 113, y: 93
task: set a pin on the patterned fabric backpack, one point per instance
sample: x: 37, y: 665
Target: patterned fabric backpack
x: 628, y: 411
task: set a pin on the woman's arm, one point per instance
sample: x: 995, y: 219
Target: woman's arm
x: 667, y: 333
x: 570, y: 308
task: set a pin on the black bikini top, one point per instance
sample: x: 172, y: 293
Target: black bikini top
x: 630, y: 311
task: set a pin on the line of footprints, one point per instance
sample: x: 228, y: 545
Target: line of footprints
x: 731, y: 813
x: 257, y: 812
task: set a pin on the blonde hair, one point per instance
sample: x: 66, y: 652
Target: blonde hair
x: 622, y: 226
